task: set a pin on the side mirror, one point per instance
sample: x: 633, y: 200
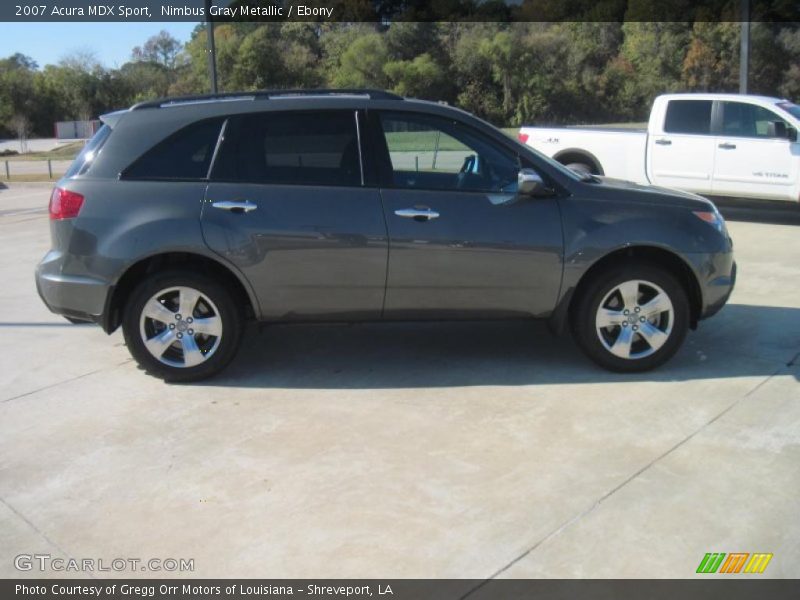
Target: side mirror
x: 529, y: 183
x: 791, y: 134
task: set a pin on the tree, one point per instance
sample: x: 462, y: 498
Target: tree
x: 712, y: 60
x: 419, y: 78
x: 162, y: 48
x: 20, y: 124
x: 362, y: 63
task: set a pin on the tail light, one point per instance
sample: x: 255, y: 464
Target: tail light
x: 522, y: 137
x: 64, y: 204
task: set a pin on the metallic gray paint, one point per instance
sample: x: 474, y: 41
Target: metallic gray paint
x: 314, y: 253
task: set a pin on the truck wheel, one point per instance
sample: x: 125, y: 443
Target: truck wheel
x: 631, y: 318
x: 182, y: 326
x: 581, y: 168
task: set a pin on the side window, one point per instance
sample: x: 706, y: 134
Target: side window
x: 92, y: 148
x: 747, y: 120
x: 183, y: 155
x: 688, y: 116
x: 442, y: 154
x: 314, y: 148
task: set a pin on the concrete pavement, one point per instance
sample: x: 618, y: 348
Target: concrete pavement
x: 467, y: 450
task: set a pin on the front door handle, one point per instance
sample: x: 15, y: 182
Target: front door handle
x: 418, y: 214
x: 727, y: 146
x: 239, y: 206
x: 664, y: 142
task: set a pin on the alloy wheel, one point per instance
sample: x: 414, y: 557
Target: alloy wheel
x: 180, y: 327
x: 635, y: 319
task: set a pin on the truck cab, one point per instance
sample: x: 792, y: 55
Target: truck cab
x: 713, y: 144
x: 725, y: 145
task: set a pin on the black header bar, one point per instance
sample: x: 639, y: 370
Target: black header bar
x: 387, y: 11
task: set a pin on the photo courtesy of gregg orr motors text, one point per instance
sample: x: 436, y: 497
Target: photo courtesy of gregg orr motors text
x: 48, y: 563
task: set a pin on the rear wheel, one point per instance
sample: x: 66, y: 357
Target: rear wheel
x: 182, y: 326
x: 631, y: 318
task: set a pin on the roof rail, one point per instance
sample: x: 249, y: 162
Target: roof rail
x: 266, y: 94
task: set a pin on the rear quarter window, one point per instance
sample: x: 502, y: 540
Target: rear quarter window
x: 688, y: 116
x: 92, y: 148
x: 183, y: 155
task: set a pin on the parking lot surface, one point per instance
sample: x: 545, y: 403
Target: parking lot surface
x: 466, y: 450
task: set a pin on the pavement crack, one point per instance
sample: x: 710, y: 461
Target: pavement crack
x: 57, y: 383
x: 33, y: 526
x: 569, y: 522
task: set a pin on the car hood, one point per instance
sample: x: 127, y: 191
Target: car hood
x: 654, y: 193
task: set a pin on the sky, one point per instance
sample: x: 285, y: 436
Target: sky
x: 112, y: 43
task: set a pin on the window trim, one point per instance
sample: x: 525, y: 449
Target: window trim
x: 217, y: 179
x: 220, y: 139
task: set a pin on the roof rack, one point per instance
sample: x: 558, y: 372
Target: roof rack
x: 266, y: 94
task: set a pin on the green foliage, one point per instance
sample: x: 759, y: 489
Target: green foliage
x: 508, y: 73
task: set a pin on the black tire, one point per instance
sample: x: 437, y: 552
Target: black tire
x: 219, y: 355
x: 582, y: 168
x: 595, y: 343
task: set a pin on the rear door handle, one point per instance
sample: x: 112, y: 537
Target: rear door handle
x: 664, y: 142
x: 238, y: 206
x: 727, y: 146
x: 418, y: 214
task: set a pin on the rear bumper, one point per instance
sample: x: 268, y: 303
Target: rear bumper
x: 77, y: 296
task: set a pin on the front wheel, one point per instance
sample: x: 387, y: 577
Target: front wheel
x: 182, y: 326
x: 631, y: 318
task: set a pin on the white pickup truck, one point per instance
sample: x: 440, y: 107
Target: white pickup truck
x: 712, y: 144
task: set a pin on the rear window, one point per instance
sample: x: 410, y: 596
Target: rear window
x: 183, y: 155
x: 688, y: 116
x: 92, y: 148
x: 319, y: 148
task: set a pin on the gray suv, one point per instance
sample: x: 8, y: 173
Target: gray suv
x: 184, y: 218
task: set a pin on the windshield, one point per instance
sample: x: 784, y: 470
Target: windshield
x: 90, y: 150
x: 790, y: 107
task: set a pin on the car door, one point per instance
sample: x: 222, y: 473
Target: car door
x: 462, y: 242
x: 288, y: 206
x: 753, y: 158
x: 681, y: 155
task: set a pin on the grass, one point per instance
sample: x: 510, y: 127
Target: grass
x: 400, y: 141
x: 65, y: 152
x: 421, y: 141
x: 425, y: 141
x: 28, y: 177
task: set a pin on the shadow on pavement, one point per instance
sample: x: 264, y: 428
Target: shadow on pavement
x: 742, y: 340
x: 772, y: 212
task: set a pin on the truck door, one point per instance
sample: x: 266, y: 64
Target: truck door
x: 681, y: 154
x: 755, y: 156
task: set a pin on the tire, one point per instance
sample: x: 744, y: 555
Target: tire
x: 621, y: 341
x: 582, y: 168
x: 164, y: 342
